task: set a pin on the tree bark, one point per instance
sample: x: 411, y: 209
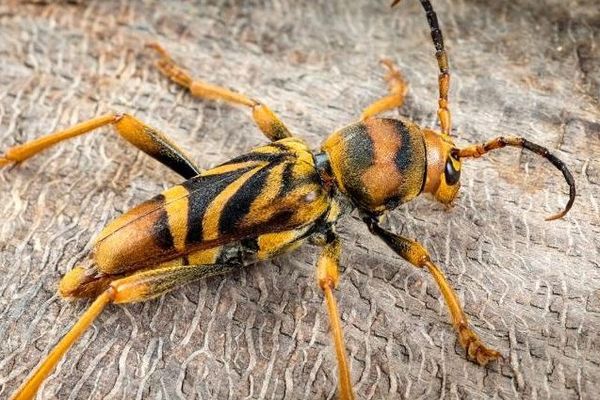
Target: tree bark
x: 531, y: 288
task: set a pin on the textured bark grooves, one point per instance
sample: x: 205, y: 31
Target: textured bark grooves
x: 529, y: 287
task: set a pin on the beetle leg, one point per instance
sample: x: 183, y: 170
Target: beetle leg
x: 134, y: 288
x: 145, y: 138
x: 415, y: 254
x: 328, y: 277
x: 266, y: 120
x: 397, y: 92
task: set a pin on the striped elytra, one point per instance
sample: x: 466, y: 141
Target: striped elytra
x: 274, y: 188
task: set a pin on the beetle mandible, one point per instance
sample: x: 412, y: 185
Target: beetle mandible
x: 271, y: 200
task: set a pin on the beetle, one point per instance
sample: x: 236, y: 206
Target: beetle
x: 271, y: 200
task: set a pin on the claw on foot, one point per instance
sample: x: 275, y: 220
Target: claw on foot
x: 167, y: 66
x: 159, y: 49
x: 394, y: 78
x: 476, y: 350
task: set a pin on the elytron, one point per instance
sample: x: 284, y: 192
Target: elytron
x: 271, y: 200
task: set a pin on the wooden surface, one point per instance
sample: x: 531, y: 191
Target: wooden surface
x: 531, y: 288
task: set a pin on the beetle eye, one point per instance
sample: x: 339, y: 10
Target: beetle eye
x: 451, y: 173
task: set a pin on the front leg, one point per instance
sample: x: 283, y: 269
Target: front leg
x: 415, y: 254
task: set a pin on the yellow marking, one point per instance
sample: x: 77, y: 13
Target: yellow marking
x: 210, y: 223
x: 271, y: 243
x: 176, y: 206
x: 230, y: 167
x: 300, y: 149
x: 334, y: 211
x: 303, y: 169
x: 176, y: 262
x: 307, y: 201
x: 259, y: 210
x: 204, y: 257
x: 267, y: 150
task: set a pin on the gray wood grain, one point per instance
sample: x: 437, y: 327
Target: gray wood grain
x: 531, y: 288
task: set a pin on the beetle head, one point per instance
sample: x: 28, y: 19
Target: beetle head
x: 443, y: 167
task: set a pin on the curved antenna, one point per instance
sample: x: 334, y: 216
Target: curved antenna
x: 442, y: 61
x: 477, y: 150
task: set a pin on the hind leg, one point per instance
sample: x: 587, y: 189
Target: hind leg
x: 397, y: 92
x: 265, y: 119
x: 138, y: 287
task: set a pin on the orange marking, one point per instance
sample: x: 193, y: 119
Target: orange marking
x: 135, y: 132
x: 382, y: 179
x: 126, y: 243
x: 335, y: 147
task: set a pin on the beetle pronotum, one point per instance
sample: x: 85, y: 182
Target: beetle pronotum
x: 271, y: 200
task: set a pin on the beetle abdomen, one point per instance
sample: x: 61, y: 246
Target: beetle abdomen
x: 274, y: 188
x: 379, y: 163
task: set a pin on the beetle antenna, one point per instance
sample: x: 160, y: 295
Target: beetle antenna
x: 442, y: 61
x: 477, y: 150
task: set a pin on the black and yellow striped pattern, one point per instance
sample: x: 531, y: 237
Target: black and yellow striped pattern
x: 246, y: 209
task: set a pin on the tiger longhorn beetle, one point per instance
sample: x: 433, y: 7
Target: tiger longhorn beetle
x: 270, y: 201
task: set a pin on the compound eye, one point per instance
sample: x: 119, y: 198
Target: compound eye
x: 452, y: 174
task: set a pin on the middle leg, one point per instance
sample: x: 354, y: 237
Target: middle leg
x: 328, y: 278
x: 397, y: 92
x: 151, y: 141
x: 265, y: 119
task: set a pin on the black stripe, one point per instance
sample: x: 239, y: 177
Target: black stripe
x: 168, y: 154
x: 287, y: 180
x: 238, y: 205
x: 160, y: 230
x: 268, y: 157
x: 404, y: 155
x: 202, y: 191
x: 280, y: 146
x: 359, y: 156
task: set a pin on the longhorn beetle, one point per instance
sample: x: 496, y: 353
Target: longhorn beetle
x: 271, y: 200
